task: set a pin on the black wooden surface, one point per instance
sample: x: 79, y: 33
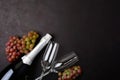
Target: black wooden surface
x: 83, y: 26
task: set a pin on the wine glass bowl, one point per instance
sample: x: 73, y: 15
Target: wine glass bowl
x: 49, y: 57
x: 44, y: 61
x: 66, y: 61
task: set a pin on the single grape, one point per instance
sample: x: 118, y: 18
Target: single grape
x: 31, y: 46
x: 34, y: 37
x: 59, y: 78
x: 59, y: 73
x: 14, y: 47
x: 28, y: 43
x: 18, y: 45
x: 27, y: 46
x: 33, y: 40
x: 27, y: 39
x: 11, y: 50
x: 68, y: 77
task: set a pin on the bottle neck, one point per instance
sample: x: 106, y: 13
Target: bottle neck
x: 28, y: 59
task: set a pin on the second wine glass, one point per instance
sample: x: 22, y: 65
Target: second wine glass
x: 66, y: 61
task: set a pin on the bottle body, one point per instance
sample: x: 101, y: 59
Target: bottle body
x: 15, y: 71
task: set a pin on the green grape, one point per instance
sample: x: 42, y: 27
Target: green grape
x: 28, y: 43
x: 34, y: 37
x: 27, y: 47
x: 27, y: 39
x: 68, y: 73
x: 32, y: 45
x: 37, y: 35
x: 33, y: 40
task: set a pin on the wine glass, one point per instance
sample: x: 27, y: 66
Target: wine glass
x: 66, y: 61
x: 49, y: 57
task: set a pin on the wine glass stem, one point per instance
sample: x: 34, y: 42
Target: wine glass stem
x: 42, y: 75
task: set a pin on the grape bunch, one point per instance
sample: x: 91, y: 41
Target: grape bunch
x: 16, y: 47
x: 28, y: 42
x: 12, y: 51
x: 70, y: 73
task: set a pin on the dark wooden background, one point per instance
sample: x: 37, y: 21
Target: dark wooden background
x: 83, y: 26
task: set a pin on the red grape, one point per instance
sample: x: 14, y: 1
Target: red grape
x: 11, y: 48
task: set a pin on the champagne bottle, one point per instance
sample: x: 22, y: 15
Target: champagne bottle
x: 17, y: 71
